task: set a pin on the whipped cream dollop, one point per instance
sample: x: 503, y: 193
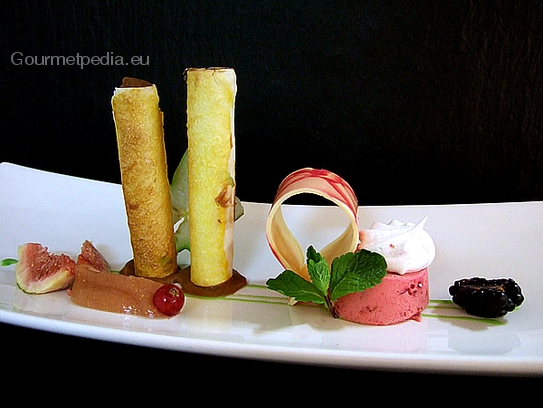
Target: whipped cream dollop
x: 406, y: 246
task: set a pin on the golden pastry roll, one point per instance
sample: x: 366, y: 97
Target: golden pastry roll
x: 144, y: 177
x: 211, y: 160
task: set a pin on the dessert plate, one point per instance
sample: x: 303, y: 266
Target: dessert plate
x: 492, y: 240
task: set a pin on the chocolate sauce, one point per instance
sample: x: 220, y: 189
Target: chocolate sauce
x: 182, y: 277
x: 129, y: 82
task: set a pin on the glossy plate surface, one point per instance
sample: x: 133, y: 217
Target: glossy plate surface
x: 492, y: 240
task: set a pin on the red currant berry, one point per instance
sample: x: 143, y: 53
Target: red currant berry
x: 169, y: 299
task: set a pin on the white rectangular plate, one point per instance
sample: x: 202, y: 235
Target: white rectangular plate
x: 492, y: 240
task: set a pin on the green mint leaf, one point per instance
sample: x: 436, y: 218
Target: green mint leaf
x: 318, y: 269
x: 292, y: 285
x: 8, y: 262
x: 355, y: 272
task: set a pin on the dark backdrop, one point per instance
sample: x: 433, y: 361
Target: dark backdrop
x: 411, y: 102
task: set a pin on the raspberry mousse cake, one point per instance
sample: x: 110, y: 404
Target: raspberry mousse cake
x: 403, y: 293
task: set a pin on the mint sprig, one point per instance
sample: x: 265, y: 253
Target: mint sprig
x: 349, y: 273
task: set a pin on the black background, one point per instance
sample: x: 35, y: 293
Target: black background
x: 411, y: 102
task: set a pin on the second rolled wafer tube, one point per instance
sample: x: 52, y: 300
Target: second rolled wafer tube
x: 211, y: 173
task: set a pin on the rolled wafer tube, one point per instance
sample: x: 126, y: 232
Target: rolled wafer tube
x: 144, y: 176
x: 211, y: 160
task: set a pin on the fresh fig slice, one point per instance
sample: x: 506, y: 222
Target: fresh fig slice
x: 39, y: 271
x: 91, y: 258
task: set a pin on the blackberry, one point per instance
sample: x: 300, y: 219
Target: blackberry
x: 486, y: 297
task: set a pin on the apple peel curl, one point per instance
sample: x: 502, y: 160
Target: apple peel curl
x: 324, y: 183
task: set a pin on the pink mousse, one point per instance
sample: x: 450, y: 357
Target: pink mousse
x: 396, y: 299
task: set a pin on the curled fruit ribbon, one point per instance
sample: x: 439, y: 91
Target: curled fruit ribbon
x: 326, y: 184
